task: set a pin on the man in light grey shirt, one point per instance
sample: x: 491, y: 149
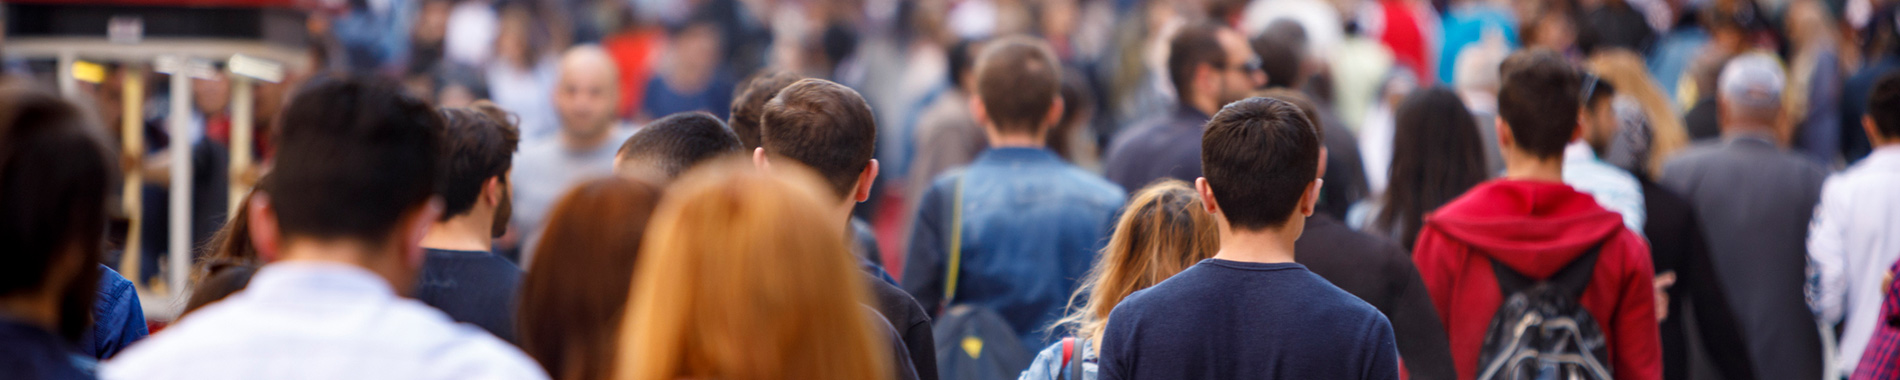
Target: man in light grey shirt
x: 590, y: 134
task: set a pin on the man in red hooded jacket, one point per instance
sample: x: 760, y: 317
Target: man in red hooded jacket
x: 1534, y: 224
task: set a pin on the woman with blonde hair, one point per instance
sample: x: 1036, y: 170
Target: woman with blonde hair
x: 1164, y: 231
x: 742, y: 276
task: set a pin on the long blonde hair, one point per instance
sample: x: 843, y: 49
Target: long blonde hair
x: 1625, y: 70
x: 1164, y: 231
x: 744, y: 275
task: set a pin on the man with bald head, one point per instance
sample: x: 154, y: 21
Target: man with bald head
x: 1755, y: 200
x: 585, y: 96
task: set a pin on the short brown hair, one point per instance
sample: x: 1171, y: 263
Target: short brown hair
x: 1298, y: 99
x: 1259, y: 155
x: 479, y: 143
x: 749, y: 104
x: 1539, y: 101
x: 1194, y: 45
x: 1018, y: 79
x: 824, y: 125
x: 568, y: 317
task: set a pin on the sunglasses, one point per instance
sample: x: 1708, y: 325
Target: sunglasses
x: 1250, y: 66
x: 1589, y: 87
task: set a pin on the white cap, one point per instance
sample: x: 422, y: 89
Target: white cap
x: 1753, y: 80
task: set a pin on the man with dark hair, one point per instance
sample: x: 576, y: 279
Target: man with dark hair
x: 1030, y: 223
x: 946, y: 135
x: 1251, y: 312
x: 667, y: 147
x: 749, y: 104
x: 1372, y: 268
x: 1854, y: 235
x: 829, y: 127
x: 585, y: 94
x: 343, y: 214
x: 1210, y: 65
x: 54, y: 170
x: 461, y: 275
x: 1614, y: 188
x: 1755, y: 201
x: 1282, y: 50
x: 1530, y: 224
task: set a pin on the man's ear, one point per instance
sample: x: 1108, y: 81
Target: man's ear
x: 982, y: 115
x: 1873, y: 131
x: 865, y: 179
x: 758, y: 158
x: 263, y: 227
x: 1505, y: 139
x: 417, y: 226
x: 492, y: 190
x: 1322, y: 162
x: 1207, y: 196
x: 1310, y: 200
x: 1577, y: 133
x: 1055, y: 113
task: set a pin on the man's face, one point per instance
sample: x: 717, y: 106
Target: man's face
x: 1241, y: 74
x: 1599, y: 123
x: 586, y: 96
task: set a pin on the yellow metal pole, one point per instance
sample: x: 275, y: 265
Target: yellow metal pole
x: 241, y: 122
x: 132, y: 153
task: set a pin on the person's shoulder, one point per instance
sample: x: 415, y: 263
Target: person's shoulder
x: 478, y: 355
x: 1098, y: 188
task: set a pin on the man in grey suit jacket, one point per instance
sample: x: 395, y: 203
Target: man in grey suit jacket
x: 1755, y: 200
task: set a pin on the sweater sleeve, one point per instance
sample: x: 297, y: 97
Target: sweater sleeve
x: 1417, y: 326
x: 924, y: 263
x: 1637, y: 349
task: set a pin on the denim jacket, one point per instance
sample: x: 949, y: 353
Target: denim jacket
x: 1031, y: 227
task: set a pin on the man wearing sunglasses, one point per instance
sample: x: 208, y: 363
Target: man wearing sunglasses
x: 1210, y: 66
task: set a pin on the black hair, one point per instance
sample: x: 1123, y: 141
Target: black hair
x: 1539, y: 101
x: 1194, y: 45
x: 1259, y: 155
x: 55, y: 170
x: 1282, y: 51
x: 1884, y: 105
x: 354, y: 154
x: 679, y: 141
x: 962, y: 61
x: 1437, y: 155
x: 479, y: 143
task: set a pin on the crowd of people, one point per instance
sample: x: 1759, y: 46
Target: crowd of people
x: 992, y: 189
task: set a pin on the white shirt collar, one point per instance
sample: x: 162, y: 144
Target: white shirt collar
x: 295, y: 279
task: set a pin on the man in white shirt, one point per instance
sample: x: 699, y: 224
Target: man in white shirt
x: 341, y: 217
x: 1855, y: 237
x: 1613, y: 188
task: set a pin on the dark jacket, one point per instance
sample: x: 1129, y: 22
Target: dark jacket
x: 1754, y: 202
x: 474, y: 287
x: 1379, y: 272
x: 30, y: 352
x: 1169, y: 149
x: 1676, y: 246
x: 1031, y: 226
x: 117, y: 318
x: 1537, y: 228
x: 911, y: 323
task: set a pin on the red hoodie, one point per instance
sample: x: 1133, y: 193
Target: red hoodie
x: 1536, y: 228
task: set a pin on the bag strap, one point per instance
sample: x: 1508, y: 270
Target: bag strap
x: 1068, y: 351
x: 1570, y: 281
x: 1075, y: 366
x: 956, y: 243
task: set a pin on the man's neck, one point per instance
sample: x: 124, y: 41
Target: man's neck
x: 1268, y: 245
x: 345, y: 252
x: 1524, y: 168
x: 468, y: 232
x: 584, y: 142
x: 1016, y: 140
x: 1206, y: 106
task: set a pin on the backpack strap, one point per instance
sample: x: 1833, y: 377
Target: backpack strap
x: 1068, y: 351
x: 1570, y: 281
x: 956, y: 243
x: 1075, y: 366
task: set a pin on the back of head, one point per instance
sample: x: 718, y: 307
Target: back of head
x: 1298, y: 99
x: 1192, y: 46
x: 1539, y: 101
x: 353, y: 155
x: 672, y: 144
x: 1259, y: 155
x: 1750, y: 89
x: 1883, y: 105
x: 54, y: 172
x: 478, y: 144
x: 1437, y: 154
x: 823, y: 125
x: 1018, y: 79
x: 568, y: 317
x: 749, y: 104
x: 743, y: 277
x: 1282, y: 50
x: 1164, y: 231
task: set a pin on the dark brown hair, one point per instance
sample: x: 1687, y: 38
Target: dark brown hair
x: 823, y: 125
x: 572, y: 302
x: 1436, y: 156
x: 479, y: 143
x: 1259, y: 155
x: 354, y: 154
x: 679, y: 141
x: 1298, y: 99
x: 1884, y: 105
x: 54, y: 172
x: 749, y: 104
x: 1539, y: 101
x: 1018, y: 79
x: 1194, y: 45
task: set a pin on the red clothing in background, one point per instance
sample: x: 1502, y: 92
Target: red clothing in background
x: 633, y: 54
x: 1882, y: 360
x: 1536, y: 228
x: 1404, y: 33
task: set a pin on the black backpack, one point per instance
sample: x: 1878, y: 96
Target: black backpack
x: 974, y: 343
x: 1541, y: 331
